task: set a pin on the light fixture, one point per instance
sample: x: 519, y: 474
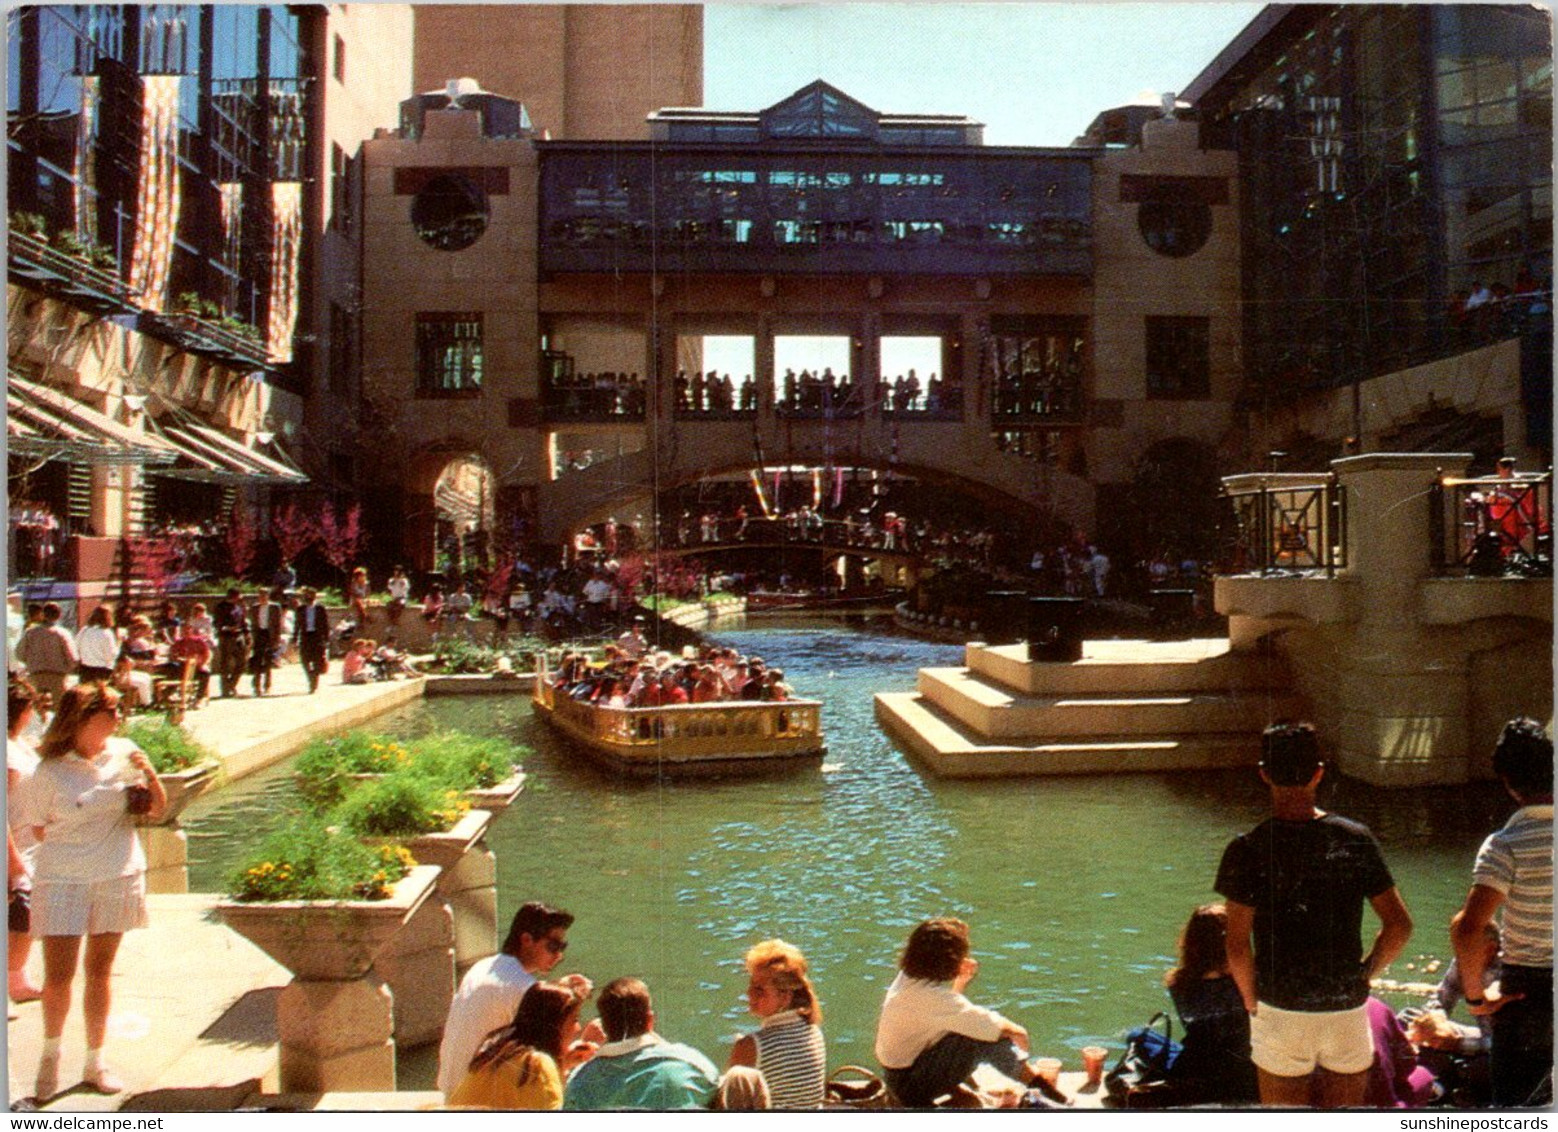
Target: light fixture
x: 135, y: 402
x: 265, y: 437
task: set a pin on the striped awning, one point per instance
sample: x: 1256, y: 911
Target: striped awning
x: 208, y: 455
x: 47, y: 423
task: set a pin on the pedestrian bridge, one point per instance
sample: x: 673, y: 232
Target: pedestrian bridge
x: 963, y: 454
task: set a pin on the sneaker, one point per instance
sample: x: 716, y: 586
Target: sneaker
x: 104, y: 1081
x: 48, y: 1079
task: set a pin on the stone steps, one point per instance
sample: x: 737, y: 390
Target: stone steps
x: 998, y: 712
x: 953, y: 750
x: 1127, y: 667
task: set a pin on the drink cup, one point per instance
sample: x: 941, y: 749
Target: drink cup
x: 1048, y: 1068
x: 1093, y: 1063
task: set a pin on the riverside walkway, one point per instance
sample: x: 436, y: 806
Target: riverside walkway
x: 199, y: 1033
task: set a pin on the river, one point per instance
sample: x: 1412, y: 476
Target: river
x: 1075, y: 888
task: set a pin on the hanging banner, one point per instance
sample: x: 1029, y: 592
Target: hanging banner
x: 762, y: 497
x: 838, y: 488
x: 86, y: 158
x: 816, y: 488
x: 286, y: 240
x: 156, y: 191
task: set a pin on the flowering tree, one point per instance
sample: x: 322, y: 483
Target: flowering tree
x: 340, y: 535
x: 240, y: 538
x: 295, y: 530
x: 151, y: 560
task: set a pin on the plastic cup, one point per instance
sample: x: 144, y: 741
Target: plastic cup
x: 1048, y: 1068
x: 1093, y: 1063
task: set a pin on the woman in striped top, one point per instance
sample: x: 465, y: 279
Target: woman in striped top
x: 788, y: 1049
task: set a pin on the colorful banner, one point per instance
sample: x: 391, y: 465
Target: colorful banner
x: 762, y: 497
x: 157, y: 191
x: 286, y: 240
x: 86, y: 158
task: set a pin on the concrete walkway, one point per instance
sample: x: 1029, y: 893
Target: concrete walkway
x: 193, y: 1025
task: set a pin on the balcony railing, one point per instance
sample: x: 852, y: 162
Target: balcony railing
x: 601, y: 398
x: 81, y: 282
x: 1288, y: 523
x: 202, y: 336
x: 1493, y: 526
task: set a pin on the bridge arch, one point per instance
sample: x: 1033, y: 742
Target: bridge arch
x: 954, y: 455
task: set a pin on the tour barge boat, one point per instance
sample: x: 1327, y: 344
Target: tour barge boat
x: 688, y: 740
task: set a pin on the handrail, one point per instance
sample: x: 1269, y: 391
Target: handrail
x: 1288, y: 522
x: 1492, y: 526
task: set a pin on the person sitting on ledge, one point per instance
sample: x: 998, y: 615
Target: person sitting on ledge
x: 522, y: 1065
x: 490, y: 994
x: 636, y: 1068
x: 930, y: 1037
x: 354, y: 665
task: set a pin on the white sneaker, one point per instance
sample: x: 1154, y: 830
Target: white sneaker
x: 104, y: 1081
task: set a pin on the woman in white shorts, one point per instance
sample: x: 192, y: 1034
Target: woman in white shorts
x: 89, y: 878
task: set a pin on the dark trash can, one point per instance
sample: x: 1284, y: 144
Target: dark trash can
x: 1173, y: 613
x: 1004, y: 619
x: 1055, y: 629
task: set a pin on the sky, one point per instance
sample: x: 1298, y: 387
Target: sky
x: 1034, y: 73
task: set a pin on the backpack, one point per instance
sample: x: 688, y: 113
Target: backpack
x: 1148, y: 1057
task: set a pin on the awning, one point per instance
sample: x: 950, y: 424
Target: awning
x: 205, y: 454
x: 45, y: 422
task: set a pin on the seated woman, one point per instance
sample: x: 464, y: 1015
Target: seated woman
x: 522, y: 1066
x: 788, y: 1050
x: 354, y: 665
x: 1214, y: 1067
x: 930, y: 1037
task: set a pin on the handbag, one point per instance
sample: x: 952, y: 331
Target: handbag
x: 19, y: 911
x: 867, y: 1092
x: 1145, y: 1063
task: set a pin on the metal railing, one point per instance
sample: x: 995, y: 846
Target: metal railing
x: 1288, y: 523
x: 1492, y: 526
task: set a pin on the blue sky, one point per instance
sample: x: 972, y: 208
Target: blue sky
x: 1034, y: 73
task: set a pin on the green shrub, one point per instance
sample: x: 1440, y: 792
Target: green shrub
x: 166, y: 744
x: 402, y: 804
x: 306, y: 860
x: 461, y: 761
x: 325, y: 767
x: 29, y: 224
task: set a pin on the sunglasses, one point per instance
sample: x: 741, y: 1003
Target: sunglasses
x: 555, y: 946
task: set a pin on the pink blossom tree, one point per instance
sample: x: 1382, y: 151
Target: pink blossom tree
x: 241, y: 538
x: 294, y: 529
x: 340, y: 535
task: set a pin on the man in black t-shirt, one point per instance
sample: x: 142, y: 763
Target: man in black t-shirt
x: 1295, y: 886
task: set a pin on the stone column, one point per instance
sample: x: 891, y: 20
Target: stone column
x: 471, y: 888
x: 1401, y: 684
x: 418, y: 969
x: 167, y: 857
x: 336, y: 1036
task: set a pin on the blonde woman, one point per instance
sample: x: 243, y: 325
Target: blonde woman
x: 89, y: 877
x: 788, y: 1048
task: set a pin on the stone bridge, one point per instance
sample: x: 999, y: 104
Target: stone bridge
x: 957, y: 453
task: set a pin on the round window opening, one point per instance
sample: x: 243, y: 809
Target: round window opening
x: 450, y: 212
x: 1174, y: 222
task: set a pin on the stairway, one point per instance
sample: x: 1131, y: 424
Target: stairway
x: 1126, y: 706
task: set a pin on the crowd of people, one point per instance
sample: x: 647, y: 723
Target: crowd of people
x: 604, y: 394
x: 1273, y: 986
x: 631, y: 675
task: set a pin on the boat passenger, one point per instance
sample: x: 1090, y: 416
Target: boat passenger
x: 788, y: 1050
x: 522, y: 1066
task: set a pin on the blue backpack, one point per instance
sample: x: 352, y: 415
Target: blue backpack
x: 1148, y: 1057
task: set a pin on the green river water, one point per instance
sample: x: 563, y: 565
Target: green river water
x: 1075, y: 888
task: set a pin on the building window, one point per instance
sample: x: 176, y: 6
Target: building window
x: 340, y: 60
x: 1178, y: 358
x: 450, y: 212
x: 449, y: 354
x: 340, y: 190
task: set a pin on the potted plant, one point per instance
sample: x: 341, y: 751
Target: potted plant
x: 486, y: 769
x: 186, y: 768
x: 321, y: 902
x: 29, y: 224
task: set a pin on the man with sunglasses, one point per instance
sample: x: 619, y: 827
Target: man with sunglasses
x: 490, y: 992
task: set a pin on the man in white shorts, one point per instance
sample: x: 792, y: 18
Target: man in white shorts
x: 1295, y: 888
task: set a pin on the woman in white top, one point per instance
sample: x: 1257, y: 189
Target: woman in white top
x: 90, y: 876
x: 98, y: 645
x: 20, y: 762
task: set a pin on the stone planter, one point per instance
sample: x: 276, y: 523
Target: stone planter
x: 497, y: 798
x: 336, y: 1018
x: 419, y: 964
x: 166, y: 846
